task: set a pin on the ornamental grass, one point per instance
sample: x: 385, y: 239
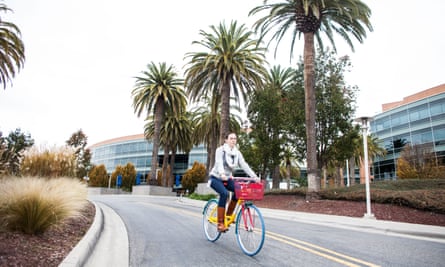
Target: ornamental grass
x: 32, y: 205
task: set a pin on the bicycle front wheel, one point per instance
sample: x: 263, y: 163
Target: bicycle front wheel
x: 250, y: 230
x: 210, y: 220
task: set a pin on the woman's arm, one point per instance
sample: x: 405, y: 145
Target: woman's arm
x: 243, y: 164
x: 218, y: 169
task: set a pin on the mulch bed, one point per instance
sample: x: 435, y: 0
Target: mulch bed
x: 47, y: 249
x: 51, y: 248
x: 385, y: 212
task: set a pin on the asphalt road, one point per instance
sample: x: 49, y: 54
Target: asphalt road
x: 163, y: 231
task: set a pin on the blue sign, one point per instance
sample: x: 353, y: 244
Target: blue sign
x: 138, y: 179
x: 178, y: 181
x: 119, y: 180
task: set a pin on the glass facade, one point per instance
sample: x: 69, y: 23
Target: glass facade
x: 137, y: 151
x: 421, y: 122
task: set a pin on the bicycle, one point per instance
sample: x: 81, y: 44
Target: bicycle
x: 249, y: 223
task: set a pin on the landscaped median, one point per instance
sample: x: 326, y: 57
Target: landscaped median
x: 32, y: 205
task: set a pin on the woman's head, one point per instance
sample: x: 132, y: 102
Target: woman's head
x: 231, y: 139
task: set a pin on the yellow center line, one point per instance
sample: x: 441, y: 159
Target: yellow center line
x: 312, y: 248
x: 317, y: 250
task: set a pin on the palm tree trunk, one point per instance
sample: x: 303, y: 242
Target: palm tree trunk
x: 313, y: 175
x: 172, y: 167
x: 165, y: 165
x: 341, y: 180
x: 276, y: 177
x: 211, y: 150
x: 209, y: 160
x: 225, y: 110
x: 352, y: 171
x: 156, y: 137
x: 325, y: 177
x: 288, y: 165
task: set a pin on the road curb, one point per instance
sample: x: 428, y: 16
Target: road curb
x: 417, y: 231
x: 420, y: 231
x: 80, y: 253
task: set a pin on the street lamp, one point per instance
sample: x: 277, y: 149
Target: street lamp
x: 364, y: 120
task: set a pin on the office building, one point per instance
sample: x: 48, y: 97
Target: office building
x: 418, y: 119
x: 138, y: 151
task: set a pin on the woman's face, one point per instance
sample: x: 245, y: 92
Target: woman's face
x: 231, y: 140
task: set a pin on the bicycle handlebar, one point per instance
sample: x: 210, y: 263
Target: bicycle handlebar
x: 244, y: 178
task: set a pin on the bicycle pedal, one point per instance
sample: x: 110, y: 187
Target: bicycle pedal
x: 223, y: 231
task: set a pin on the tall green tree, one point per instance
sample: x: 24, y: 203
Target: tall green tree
x: 78, y: 141
x: 335, y: 107
x: 176, y: 134
x: 12, y: 49
x: 251, y: 152
x: 266, y: 113
x: 232, y: 64
x: 341, y: 150
x: 158, y: 88
x: 206, y: 121
x: 12, y: 149
x: 311, y: 18
x: 179, y: 132
x: 289, y: 165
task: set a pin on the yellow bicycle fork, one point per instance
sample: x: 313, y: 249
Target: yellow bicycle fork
x: 228, y: 219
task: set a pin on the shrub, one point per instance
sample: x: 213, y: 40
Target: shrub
x: 422, y: 194
x: 32, y: 205
x: 193, y: 176
x: 98, y: 176
x: 128, y: 173
x: 202, y: 197
x: 419, y: 162
x: 44, y: 162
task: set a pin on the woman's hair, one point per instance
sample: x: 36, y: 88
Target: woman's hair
x: 227, y: 135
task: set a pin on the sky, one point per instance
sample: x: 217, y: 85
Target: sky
x: 82, y: 58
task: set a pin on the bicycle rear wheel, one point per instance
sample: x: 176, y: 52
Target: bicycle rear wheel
x: 210, y: 220
x: 250, y: 230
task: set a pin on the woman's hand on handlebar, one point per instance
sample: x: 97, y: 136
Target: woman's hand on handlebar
x: 248, y: 179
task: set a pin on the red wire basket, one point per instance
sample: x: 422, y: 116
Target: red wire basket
x: 249, y: 190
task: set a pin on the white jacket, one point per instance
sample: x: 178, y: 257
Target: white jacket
x: 221, y: 167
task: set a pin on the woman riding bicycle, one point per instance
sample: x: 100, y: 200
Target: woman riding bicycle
x: 227, y: 157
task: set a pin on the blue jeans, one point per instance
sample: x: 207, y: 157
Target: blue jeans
x: 223, y: 188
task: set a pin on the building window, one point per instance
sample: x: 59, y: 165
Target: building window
x: 421, y: 137
x: 418, y: 113
x: 439, y: 136
x: 399, y: 118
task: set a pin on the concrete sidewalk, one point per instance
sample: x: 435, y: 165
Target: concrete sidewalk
x: 108, y: 236
x: 105, y: 243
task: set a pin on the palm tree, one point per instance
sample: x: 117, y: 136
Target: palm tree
x: 288, y: 164
x: 374, y: 149
x: 158, y: 88
x: 206, y: 121
x: 12, y: 49
x: 310, y: 18
x: 266, y: 113
x: 233, y: 63
x: 176, y: 134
